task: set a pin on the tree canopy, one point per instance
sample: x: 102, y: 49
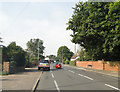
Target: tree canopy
x: 14, y: 53
x: 53, y: 57
x: 64, y: 53
x: 1, y: 40
x: 32, y: 48
x: 96, y: 27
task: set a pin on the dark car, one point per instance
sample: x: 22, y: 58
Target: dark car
x: 44, y: 64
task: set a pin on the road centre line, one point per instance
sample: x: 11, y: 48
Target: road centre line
x: 71, y: 71
x: 86, y: 76
x: 57, y: 86
x: 112, y: 87
x: 52, y: 75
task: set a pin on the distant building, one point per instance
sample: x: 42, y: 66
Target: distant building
x: 47, y: 58
x: 74, y: 57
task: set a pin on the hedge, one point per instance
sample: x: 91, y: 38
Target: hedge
x: 72, y: 63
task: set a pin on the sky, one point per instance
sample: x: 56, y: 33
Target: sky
x: 22, y: 21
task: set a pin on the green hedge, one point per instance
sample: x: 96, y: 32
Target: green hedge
x: 4, y: 73
x: 66, y: 62
x: 73, y: 63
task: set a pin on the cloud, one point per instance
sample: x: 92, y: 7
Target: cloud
x: 4, y: 21
x: 50, y: 28
x: 39, y: 0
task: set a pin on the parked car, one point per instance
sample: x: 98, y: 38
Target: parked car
x: 58, y: 65
x: 44, y: 64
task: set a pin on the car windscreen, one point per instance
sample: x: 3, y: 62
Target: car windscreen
x: 44, y: 61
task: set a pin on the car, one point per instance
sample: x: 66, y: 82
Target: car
x: 58, y: 65
x: 44, y: 64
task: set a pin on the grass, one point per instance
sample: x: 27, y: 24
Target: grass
x: 4, y: 73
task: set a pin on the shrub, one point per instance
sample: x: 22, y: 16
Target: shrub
x: 4, y: 73
x: 73, y: 63
x: 67, y: 62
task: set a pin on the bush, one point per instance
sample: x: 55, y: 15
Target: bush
x: 19, y: 58
x: 4, y: 73
x: 73, y: 63
x: 67, y: 62
x: 13, y: 64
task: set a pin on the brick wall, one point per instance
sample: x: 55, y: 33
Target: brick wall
x: 9, y: 69
x: 6, y: 67
x: 100, y: 65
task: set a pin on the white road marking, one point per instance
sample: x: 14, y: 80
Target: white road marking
x: 86, y: 76
x: 112, y: 86
x: 52, y: 75
x: 56, y: 86
x: 106, y: 75
x: 82, y: 68
x: 71, y: 71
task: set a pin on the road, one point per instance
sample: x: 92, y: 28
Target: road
x: 70, y: 78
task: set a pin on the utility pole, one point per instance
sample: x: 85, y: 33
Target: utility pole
x: 75, y: 49
x: 62, y: 56
x: 38, y: 50
x: 1, y: 46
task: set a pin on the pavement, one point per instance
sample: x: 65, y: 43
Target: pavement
x: 21, y: 81
x: 71, y: 78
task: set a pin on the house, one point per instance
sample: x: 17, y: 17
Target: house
x: 74, y: 57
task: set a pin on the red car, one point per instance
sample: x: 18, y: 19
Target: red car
x: 58, y: 65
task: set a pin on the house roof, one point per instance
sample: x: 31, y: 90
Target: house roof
x: 73, y: 57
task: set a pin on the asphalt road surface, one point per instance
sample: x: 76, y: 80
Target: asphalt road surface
x: 70, y: 78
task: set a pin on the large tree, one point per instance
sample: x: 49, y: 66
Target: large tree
x: 1, y: 40
x: 53, y: 57
x: 96, y: 27
x: 64, y: 53
x: 33, y: 46
x: 14, y: 53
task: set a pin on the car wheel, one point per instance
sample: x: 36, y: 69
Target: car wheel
x: 38, y: 68
x: 49, y: 69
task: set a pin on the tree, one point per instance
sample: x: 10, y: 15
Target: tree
x: 64, y: 53
x: 53, y: 57
x: 96, y: 27
x: 14, y: 53
x: 32, y: 47
x: 1, y: 40
x: 4, y: 54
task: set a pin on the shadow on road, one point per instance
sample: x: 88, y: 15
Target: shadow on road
x: 8, y: 79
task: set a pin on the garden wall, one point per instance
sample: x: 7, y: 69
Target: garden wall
x: 100, y: 65
x: 9, y: 69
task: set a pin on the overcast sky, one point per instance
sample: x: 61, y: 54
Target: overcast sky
x: 21, y: 21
